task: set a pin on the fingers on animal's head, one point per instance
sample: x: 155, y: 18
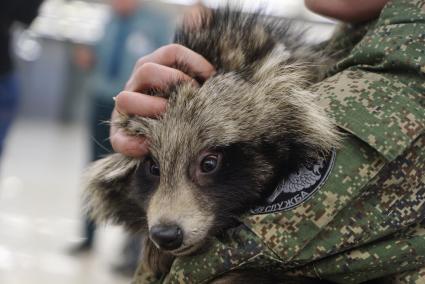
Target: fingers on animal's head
x: 129, y: 145
x: 139, y: 63
x: 165, y: 55
x: 162, y: 77
x: 144, y: 77
x: 132, y: 103
x: 171, y: 55
x: 179, y: 55
x: 152, y: 76
x: 194, y: 62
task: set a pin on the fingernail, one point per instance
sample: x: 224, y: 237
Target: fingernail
x: 114, y: 98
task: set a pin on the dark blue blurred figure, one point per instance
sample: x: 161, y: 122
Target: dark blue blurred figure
x: 23, y: 11
x: 135, y: 29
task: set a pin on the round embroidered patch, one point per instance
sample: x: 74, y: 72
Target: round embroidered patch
x: 298, y: 187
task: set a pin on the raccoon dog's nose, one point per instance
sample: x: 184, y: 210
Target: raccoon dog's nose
x: 167, y: 237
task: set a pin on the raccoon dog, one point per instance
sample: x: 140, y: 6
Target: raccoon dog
x: 219, y: 149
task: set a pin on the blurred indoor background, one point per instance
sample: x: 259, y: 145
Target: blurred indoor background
x: 48, y: 146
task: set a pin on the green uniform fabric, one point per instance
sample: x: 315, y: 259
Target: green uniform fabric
x: 366, y: 222
x: 408, y: 277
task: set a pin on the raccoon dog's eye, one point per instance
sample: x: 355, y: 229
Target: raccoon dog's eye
x: 210, y: 163
x: 152, y: 167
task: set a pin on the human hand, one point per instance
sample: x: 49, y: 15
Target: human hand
x: 353, y: 11
x: 154, y: 71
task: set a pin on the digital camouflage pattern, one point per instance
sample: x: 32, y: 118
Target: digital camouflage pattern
x: 367, y: 221
x: 415, y: 276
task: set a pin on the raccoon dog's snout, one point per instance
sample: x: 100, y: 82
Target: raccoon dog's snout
x: 167, y: 237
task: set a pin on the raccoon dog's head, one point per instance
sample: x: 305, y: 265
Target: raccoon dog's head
x: 221, y: 148
x: 214, y: 154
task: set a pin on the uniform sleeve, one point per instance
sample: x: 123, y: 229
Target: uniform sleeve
x: 377, y: 91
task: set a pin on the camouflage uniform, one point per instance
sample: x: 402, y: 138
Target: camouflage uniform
x: 367, y: 219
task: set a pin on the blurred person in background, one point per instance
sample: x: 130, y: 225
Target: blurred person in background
x: 11, y: 11
x: 134, y: 30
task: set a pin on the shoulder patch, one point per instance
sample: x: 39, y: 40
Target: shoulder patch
x: 298, y: 187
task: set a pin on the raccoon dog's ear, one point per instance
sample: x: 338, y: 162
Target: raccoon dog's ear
x: 107, y: 184
x: 134, y: 125
x: 110, y: 169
